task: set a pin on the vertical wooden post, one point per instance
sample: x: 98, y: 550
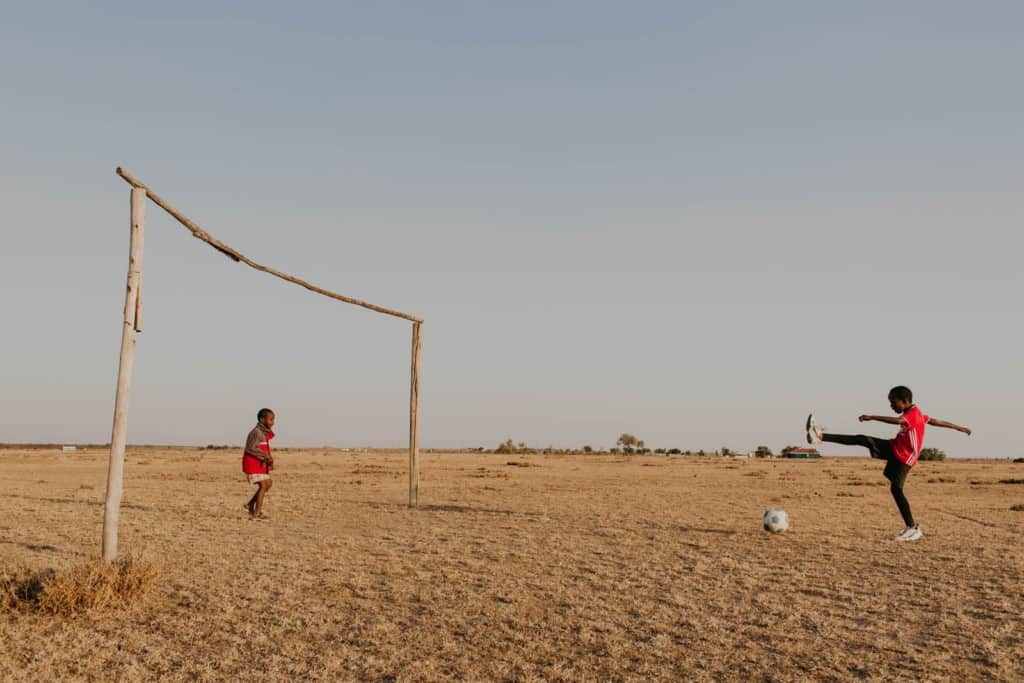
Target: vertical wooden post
x: 131, y: 325
x: 414, y: 399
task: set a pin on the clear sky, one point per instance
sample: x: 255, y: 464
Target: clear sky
x: 694, y: 222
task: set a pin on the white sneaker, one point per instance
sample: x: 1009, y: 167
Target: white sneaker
x: 911, y: 533
x: 813, y: 430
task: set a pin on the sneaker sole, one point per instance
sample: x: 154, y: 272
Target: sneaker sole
x: 807, y: 428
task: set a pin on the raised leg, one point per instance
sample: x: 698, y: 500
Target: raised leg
x: 879, y: 448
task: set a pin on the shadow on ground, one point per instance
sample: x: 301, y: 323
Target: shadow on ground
x: 94, y: 503
x: 31, y: 546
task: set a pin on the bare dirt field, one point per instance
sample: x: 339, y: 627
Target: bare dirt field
x: 569, y: 568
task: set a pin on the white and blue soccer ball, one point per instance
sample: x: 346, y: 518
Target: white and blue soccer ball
x: 775, y: 520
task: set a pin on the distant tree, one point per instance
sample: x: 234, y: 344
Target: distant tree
x: 726, y: 451
x: 763, y: 452
x: 674, y: 451
x: 613, y: 450
x: 701, y: 452
x: 588, y: 449
x: 628, y: 442
x: 933, y: 454
x: 659, y: 451
x: 506, y: 447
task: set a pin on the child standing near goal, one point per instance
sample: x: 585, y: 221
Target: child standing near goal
x: 900, y: 454
x: 257, y: 461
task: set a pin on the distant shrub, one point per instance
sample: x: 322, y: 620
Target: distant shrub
x: 588, y: 449
x: 933, y: 454
x: 674, y: 451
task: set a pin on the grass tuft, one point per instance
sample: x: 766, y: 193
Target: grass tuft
x: 82, y: 588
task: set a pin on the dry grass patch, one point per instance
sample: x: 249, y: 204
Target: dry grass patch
x: 81, y: 588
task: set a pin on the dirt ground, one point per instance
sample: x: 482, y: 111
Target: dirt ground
x: 570, y: 568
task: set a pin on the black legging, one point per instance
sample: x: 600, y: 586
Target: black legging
x: 895, y: 470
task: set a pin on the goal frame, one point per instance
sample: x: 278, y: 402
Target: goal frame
x: 132, y: 326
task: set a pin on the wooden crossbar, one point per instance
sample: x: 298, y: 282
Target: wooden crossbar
x: 234, y: 255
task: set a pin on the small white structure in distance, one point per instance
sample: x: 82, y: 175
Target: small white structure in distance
x: 69, y: 449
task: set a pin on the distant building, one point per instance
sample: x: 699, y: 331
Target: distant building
x: 802, y: 454
x: 69, y: 449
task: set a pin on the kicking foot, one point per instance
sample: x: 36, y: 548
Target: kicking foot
x: 248, y: 508
x: 813, y: 430
x: 911, y: 533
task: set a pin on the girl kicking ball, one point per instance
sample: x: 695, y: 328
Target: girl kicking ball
x: 900, y: 453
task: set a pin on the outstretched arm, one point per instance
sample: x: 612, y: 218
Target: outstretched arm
x: 881, y: 418
x: 948, y: 425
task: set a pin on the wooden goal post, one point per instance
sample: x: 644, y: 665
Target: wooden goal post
x: 132, y: 325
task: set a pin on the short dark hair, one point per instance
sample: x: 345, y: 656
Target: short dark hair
x: 901, y: 393
x: 263, y: 413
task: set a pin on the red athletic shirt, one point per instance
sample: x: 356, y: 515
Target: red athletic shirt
x: 258, y: 442
x: 907, y: 444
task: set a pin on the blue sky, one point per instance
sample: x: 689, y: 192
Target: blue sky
x: 690, y: 221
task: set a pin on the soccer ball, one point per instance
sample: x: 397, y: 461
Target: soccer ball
x: 775, y: 520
